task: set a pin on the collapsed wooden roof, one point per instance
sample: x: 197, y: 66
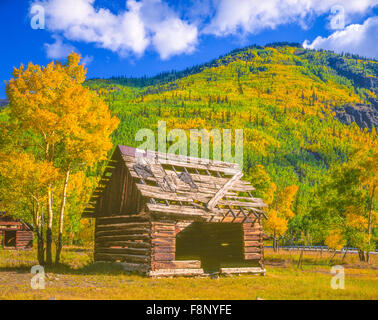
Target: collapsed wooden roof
x: 184, y: 187
x: 6, y: 221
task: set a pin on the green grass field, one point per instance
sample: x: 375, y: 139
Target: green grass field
x: 79, y: 278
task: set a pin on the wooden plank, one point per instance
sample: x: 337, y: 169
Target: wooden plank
x: 121, y: 257
x: 160, y: 235
x: 165, y: 249
x: 124, y: 237
x: 136, y: 251
x: 184, y: 211
x: 124, y: 225
x: 121, y: 231
x: 163, y: 227
x: 251, y: 270
x: 158, y: 193
x: 242, y: 204
x: 252, y: 237
x: 166, y: 242
x: 252, y: 256
x: 121, y: 219
x: 183, y: 160
x: 139, y: 234
x: 252, y: 243
x: 252, y: 250
x: 221, y: 192
x: 162, y: 256
x: 203, y: 182
x: 175, y: 272
x: 126, y: 244
x: 177, y: 264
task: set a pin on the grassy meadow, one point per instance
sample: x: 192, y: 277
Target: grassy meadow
x: 78, y: 278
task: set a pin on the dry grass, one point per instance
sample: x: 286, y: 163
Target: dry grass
x: 79, y: 278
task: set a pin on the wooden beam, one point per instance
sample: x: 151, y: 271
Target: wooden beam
x: 221, y: 192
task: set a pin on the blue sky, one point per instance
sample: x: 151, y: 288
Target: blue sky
x: 145, y: 37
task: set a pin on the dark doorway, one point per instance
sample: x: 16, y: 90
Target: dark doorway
x: 10, y: 239
x: 212, y: 243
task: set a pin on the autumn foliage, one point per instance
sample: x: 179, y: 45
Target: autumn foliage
x: 59, y: 129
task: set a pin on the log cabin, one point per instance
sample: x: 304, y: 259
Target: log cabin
x: 168, y: 215
x: 14, y: 233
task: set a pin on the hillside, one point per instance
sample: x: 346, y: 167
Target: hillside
x: 292, y: 103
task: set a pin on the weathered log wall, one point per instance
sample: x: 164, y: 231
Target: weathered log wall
x: 163, y: 242
x: 144, y: 245
x: 124, y: 239
x: 119, y: 194
x: 253, y: 242
x: 24, y: 240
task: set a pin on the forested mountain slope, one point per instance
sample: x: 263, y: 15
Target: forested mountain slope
x: 293, y: 104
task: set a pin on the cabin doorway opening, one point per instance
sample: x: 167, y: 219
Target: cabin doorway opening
x: 10, y: 239
x: 216, y: 245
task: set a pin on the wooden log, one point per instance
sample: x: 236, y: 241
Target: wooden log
x: 252, y: 250
x: 252, y: 256
x: 162, y: 235
x: 156, y: 227
x: 124, y: 225
x: 252, y: 243
x: 161, y: 256
x: 206, y: 184
x: 124, y: 237
x: 137, y: 251
x: 124, y: 218
x: 163, y: 242
x: 177, y: 210
x: 222, y: 191
x: 175, y: 272
x: 244, y: 204
x: 176, y: 264
x: 119, y: 232
x: 128, y: 244
x: 252, y: 238
x: 165, y: 249
x: 251, y: 270
x: 199, y: 165
x: 121, y: 257
x: 150, y: 156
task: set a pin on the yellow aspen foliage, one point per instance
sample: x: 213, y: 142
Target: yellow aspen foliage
x: 260, y: 179
x: 275, y: 224
x: 285, y: 200
x: 52, y: 103
x: 24, y: 182
x: 66, y: 125
x: 355, y: 219
x: 335, y: 240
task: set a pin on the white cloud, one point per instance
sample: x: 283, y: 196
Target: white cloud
x: 174, y: 36
x: 87, y: 60
x: 252, y: 16
x: 359, y: 39
x: 58, y: 49
x: 153, y: 24
x: 141, y: 24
